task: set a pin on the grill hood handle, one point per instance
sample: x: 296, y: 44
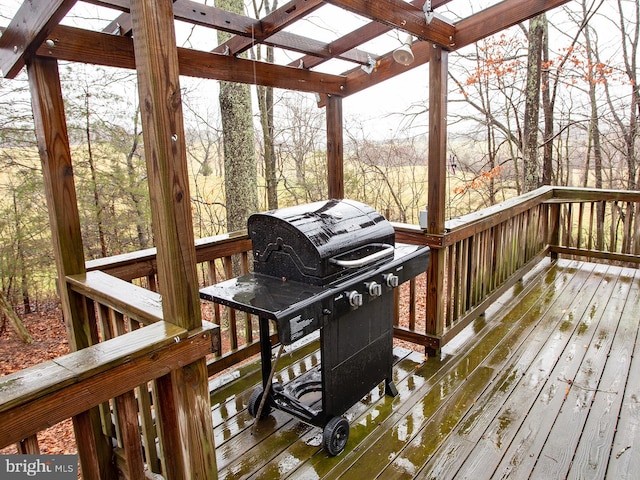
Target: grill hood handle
x: 386, y: 251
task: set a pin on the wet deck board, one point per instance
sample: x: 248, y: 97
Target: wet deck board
x: 547, y: 385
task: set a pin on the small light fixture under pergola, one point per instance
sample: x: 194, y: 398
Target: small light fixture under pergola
x: 403, y: 54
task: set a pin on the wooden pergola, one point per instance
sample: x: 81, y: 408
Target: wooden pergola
x: 142, y: 37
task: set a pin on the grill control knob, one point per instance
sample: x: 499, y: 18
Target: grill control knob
x: 355, y: 298
x: 375, y: 289
x: 391, y: 279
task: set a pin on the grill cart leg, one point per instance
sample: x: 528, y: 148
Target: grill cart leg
x: 390, y: 388
x: 265, y: 351
x: 260, y: 396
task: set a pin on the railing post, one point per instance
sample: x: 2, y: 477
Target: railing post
x: 186, y: 424
x: 335, y: 162
x: 94, y: 451
x: 438, y: 65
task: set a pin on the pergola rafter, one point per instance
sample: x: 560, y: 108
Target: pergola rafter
x: 36, y: 21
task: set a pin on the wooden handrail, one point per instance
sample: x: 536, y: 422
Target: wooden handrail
x: 140, y: 304
x: 142, y: 263
x: 35, y: 398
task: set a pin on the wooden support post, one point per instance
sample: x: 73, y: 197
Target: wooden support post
x: 335, y: 151
x: 186, y: 424
x: 94, y: 450
x: 438, y: 64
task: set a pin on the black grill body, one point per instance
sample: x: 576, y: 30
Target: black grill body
x: 315, y: 243
x: 329, y: 266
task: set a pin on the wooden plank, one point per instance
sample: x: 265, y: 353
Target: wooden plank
x: 64, y: 218
x: 499, y: 17
x: 358, y: 37
x: 77, y: 45
x: 610, y: 256
x: 147, y: 425
x: 186, y: 425
x: 532, y: 386
x: 437, y: 186
x: 599, y: 388
x: 447, y: 460
x: 28, y: 446
x: 133, y: 465
x: 471, y: 224
x: 623, y: 462
x: 272, y: 23
x: 28, y: 417
x: 27, y: 30
x: 575, y: 194
x: 48, y: 377
x: 224, y: 67
x: 136, y: 302
x: 555, y: 401
x: 95, y: 452
x: 402, y: 16
x: 143, y: 262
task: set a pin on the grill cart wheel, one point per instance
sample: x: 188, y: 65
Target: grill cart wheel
x: 254, y: 404
x: 335, y: 435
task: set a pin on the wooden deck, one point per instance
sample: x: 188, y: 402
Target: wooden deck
x: 545, y: 386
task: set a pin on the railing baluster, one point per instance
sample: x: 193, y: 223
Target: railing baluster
x: 412, y: 304
x: 127, y: 413
x: 233, y: 328
x: 29, y: 446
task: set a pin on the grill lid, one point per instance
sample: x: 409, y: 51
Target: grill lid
x: 319, y: 242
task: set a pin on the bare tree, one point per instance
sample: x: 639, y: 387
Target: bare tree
x: 266, y: 107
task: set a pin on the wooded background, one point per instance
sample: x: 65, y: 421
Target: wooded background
x: 553, y: 101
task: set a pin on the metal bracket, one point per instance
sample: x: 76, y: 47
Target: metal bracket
x: 371, y: 64
x: 428, y: 11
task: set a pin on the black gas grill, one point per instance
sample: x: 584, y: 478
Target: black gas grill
x: 332, y: 266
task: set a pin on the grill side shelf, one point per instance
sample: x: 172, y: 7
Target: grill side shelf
x: 297, y: 308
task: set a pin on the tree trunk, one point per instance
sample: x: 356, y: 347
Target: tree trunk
x: 94, y: 179
x: 237, y: 130
x: 532, y: 104
x: 141, y: 218
x: 14, y: 320
x: 21, y: 266
x: 547, y: 109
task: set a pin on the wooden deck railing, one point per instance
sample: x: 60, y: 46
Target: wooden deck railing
x: 485, y: 253
x: 598, y: 225
x: 134, y: 347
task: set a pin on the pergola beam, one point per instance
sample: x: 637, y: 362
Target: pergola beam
x: 359, y: 36
x: 499, y: 17
x: 271, y: 24
x: 27, y: 30
x: 385, y: 68
x: 78, y: 45
x: 403, y: 16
